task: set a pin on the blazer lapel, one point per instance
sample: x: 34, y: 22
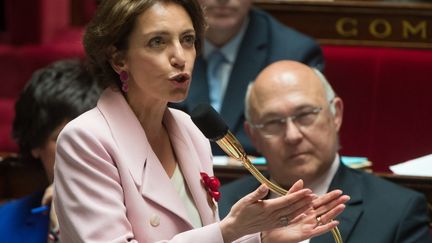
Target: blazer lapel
x: 351, y: 184
x: 251, y: 58
x: 135, y: 152
x: 157, y: 186
x: 131, y: 141
x: 190, y: 167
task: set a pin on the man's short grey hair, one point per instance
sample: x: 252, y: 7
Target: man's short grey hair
x: 330, y: 94
x: 247, y: 98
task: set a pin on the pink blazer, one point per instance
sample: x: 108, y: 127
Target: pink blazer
x: 111, y: 187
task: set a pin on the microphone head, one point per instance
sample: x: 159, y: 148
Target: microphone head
x: 209, y: 122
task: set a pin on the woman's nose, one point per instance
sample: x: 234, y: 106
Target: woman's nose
x: 178, y: 57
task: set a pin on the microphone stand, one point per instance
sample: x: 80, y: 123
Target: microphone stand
x: 233, y: 148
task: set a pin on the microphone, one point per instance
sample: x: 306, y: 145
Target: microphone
x: 215, y: 129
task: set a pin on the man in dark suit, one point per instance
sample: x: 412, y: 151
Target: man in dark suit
x: 249, y: 40
x: 293, y: 118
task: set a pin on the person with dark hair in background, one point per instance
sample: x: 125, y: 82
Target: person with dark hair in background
x: 293, y: 117
x: 241, y: 40
x: 54, y: 95
x: 134, y: 170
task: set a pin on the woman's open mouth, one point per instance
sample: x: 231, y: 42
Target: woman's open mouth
x: 180, y: 78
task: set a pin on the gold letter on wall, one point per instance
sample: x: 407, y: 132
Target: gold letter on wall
x: 385, y: 33
x: 340, y: 24
x: 408, y: 29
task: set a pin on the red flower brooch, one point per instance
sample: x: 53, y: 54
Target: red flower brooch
x: 211, y: 184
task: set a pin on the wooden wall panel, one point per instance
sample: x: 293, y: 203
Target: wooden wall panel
x: 369, y: 23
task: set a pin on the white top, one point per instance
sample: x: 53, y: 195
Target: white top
x: 180, y: 186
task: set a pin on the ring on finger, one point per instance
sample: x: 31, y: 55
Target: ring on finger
x: 318, y: 219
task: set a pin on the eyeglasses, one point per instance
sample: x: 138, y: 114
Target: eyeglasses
x: 276, y: 127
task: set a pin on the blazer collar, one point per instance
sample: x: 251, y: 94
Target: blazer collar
x: 351, y: 184
x: 147, y: 172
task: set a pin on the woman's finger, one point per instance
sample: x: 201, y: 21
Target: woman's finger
x: 300, y: 205
x: 298, y: 212
x: 256, y: 195
x: 48, y: 194
x: 331, y: 204
x: 330, y: 215
x: 297, y: 186
x: 285, y: 202
x: 326, y: 198
x: 320, y: 229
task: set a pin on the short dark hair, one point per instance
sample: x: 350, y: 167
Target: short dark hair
x: 53, y: 95
x: 112, y: 25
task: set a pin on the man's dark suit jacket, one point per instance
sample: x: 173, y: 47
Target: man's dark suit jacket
x: 265, y: 41
x: 378, y: 212
x: 18, y: 224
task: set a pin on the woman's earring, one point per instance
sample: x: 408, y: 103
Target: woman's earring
x: 124, y: 77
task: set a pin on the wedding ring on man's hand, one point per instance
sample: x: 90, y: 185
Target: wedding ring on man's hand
x: 318, y: 219
x: 283, y: 221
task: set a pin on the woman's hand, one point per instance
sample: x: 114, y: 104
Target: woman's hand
x: 48, y: 194
x: 47, y: 200
x: 251, y: 214
x: 313, y: 222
